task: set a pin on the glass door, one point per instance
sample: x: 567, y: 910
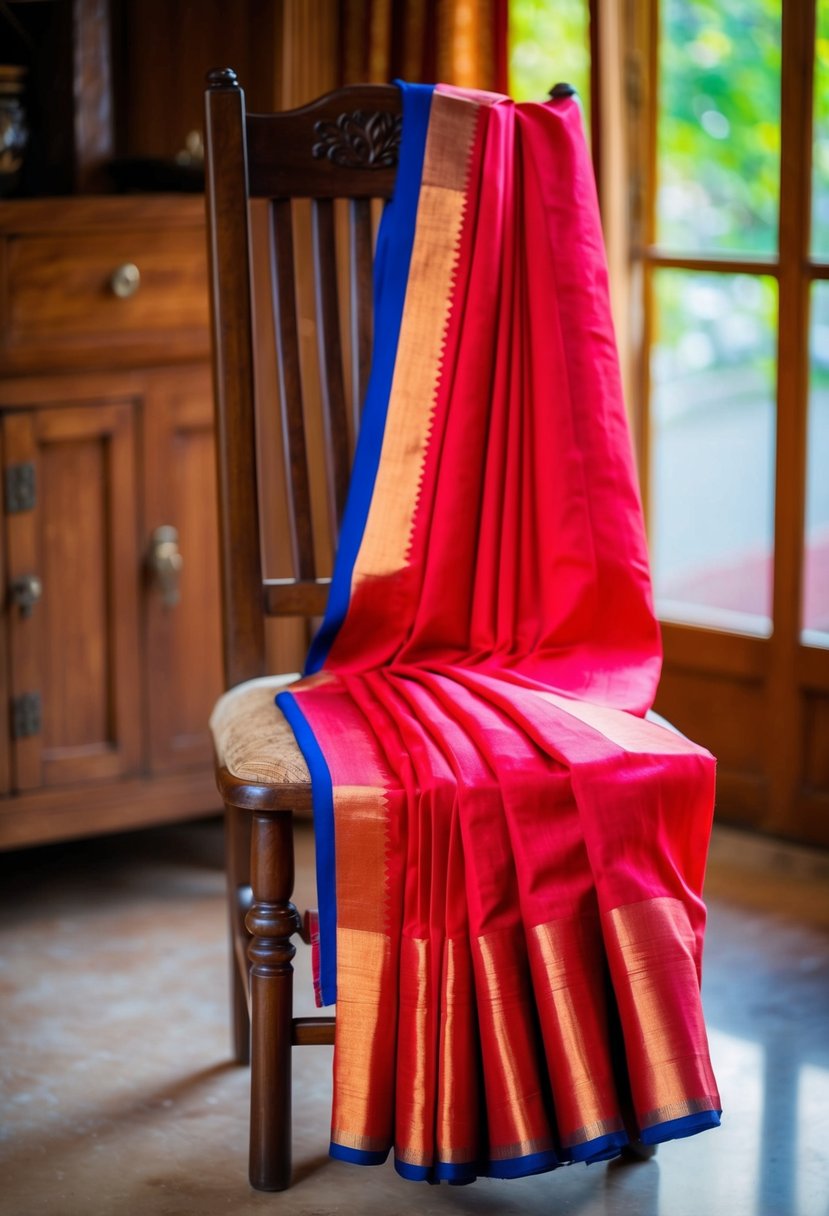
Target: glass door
x: 731, y: 128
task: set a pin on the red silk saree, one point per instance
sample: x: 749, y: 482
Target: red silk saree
x: 510, y: 856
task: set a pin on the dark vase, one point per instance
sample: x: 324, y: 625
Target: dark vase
x: 14, y: 134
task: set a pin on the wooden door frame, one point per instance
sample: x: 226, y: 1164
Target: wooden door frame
x: 788, y: 676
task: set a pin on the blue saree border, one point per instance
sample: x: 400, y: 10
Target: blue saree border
x: 461, y: 1173
x: 357, y: 1156
x: 322, y: 793
x: 395, y: 241
x: 677, y: 1129
x: 603, y: 1148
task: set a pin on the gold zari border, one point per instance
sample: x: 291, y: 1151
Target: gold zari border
x: 417, y: 370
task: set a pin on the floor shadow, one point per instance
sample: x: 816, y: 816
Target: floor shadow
x: 109, y: 1118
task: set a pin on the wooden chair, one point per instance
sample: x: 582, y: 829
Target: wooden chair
x: 342, y: 146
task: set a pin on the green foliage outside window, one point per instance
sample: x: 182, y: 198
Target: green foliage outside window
x: 718, y: 150
x: 718, y: 185
x: 820, y: 153
x: 549, y: 41
x: 718, y: 141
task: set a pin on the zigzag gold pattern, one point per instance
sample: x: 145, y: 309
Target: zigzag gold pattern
x: 417, y: 370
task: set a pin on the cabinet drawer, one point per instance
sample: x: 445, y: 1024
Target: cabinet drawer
x: 63, y: 304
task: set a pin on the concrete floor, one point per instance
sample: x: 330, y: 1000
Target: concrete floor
x: 118, y: 1097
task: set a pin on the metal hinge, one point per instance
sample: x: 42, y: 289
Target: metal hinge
x: 20, y: 488
x: 26, y: 715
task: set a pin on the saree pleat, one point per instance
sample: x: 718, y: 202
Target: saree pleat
x: 510, y: 855
x: 560, y: 921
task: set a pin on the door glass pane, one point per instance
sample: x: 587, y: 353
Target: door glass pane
x: 820, y: 152
x: 712, y: 447
x: 549, y: 41
x: 816, y: 569
x: 718, y: 130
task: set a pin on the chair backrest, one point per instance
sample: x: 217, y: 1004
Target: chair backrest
x: 343, y: 146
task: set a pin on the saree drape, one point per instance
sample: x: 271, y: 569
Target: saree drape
x: 510, y: 856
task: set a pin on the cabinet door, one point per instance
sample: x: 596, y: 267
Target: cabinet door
x: 183, y: 628
x: 71, y: 524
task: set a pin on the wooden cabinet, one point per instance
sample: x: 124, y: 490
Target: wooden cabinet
x: 183, y: 641
x: 74, y: 650
x: 109, y: 654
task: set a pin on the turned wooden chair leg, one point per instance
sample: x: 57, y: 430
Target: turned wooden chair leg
x: 272, y: 920
x: 237, y: 867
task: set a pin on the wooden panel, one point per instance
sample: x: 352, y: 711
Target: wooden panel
x: 810, y: 821
x: 720, y: 713
x: 56, y: 308
x: 689, y: 647
x: 816, y: 744
x: 79, y: 647
x: 742, y: 798
x: 60, y: 295
x: 106, y: 806
x: 35, y: 392
x: 813, y: 667
x: 73, y: 567
x: 184, y: 666
x: 95, y: 559
x: 725, y: 715
x: 76, y: 216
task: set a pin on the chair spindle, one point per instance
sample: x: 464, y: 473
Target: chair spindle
x: 335, y: 419
x: 290, y: 391
x: 361, y: 301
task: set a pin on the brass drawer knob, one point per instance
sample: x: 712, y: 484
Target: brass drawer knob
x: 125, y: 280
x: 166, y: 562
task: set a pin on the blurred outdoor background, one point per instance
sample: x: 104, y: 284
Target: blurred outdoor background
x: 713, y: 349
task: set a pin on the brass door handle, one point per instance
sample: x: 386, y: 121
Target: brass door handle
x: 166, y: 563
x: 125, y: 280
x: 25, y: 592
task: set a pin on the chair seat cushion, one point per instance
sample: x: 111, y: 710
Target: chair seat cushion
x: 252, y: 738
x: 254, y: 742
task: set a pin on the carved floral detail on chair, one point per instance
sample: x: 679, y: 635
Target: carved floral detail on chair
x: 360, y: 141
